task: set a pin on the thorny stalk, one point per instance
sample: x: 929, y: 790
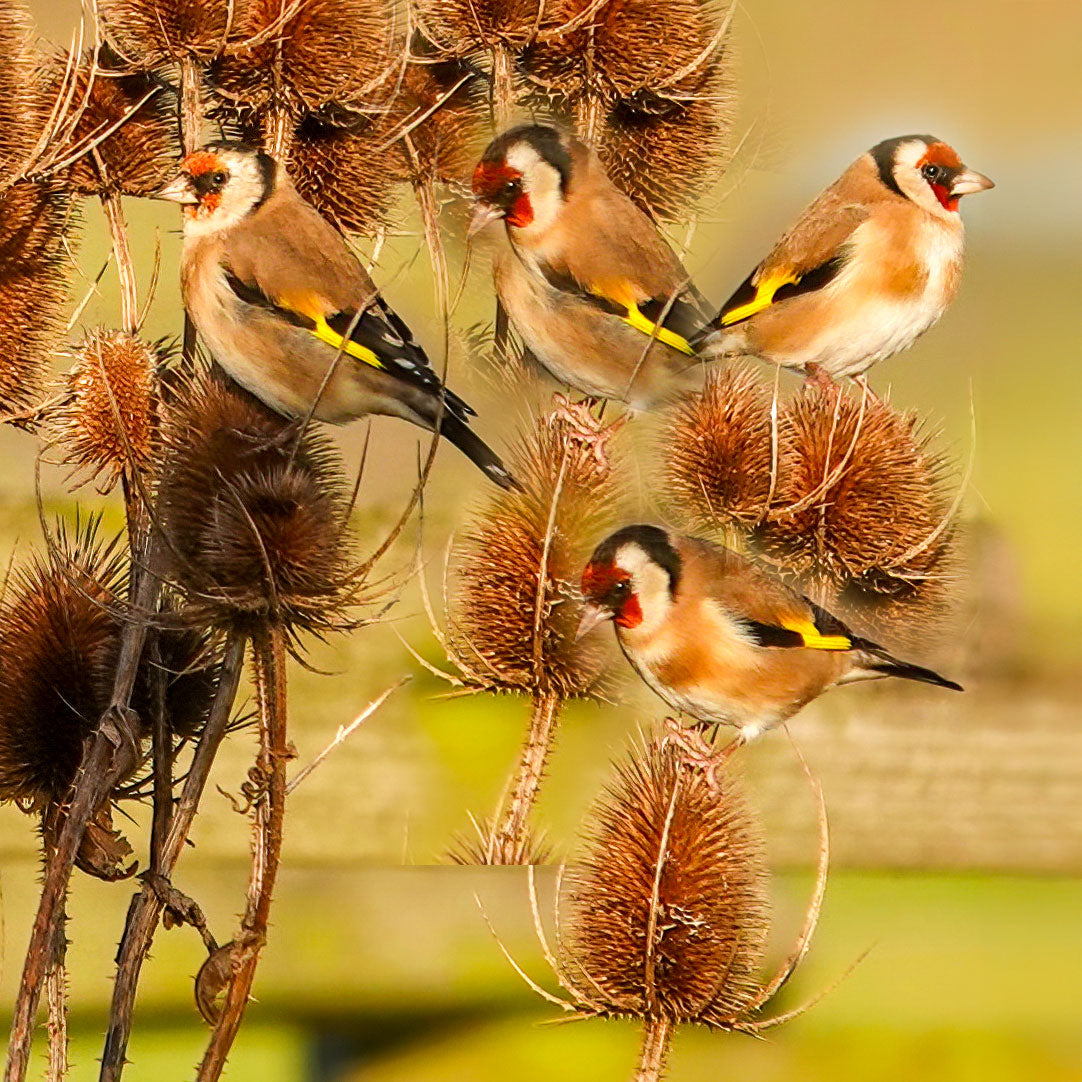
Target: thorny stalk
x: 146, y: 906
x: 56, y: 977
x: 511, y: 842
x: 268, y: 814
x: 656, y: 1041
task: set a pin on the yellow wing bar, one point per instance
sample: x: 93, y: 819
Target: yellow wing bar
x: 325, y: 333
x: 813, y: 640
x: 764, y: 297
x: 636, y: 319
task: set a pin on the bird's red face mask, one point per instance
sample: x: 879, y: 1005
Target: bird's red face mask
x: 609, y: 595
x: 948, y: 178
x: 499, y: 193
x: 198, y: 186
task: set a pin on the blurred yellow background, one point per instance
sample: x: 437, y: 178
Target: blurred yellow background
x: 957, y: 825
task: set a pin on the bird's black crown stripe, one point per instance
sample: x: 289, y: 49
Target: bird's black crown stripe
x: 653, y: 540
x: 883, y: 155
x: 547, y: 141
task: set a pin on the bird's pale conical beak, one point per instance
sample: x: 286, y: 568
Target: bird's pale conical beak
x: 969, y: 182
x: 483, y: 214
x: 178, y: 190
x: 591, y: 617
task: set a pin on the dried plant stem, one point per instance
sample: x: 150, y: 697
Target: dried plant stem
x: 503, y: 87
x: 268, y: 815
x: 656, y: 1041
x: 146, y: 906
x: 125, y: 268
x: 56, y: 978
x: 278, y: 135
x: 109, y: 755
x: 190, y: 106
x: 511, y: 843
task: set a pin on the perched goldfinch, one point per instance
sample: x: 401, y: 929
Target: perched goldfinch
x: 868, y: 267
x: 720, y: 639
x: 597, y: 296
x: 286, y: 309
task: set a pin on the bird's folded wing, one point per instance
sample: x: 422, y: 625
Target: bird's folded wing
x: 806, y: 259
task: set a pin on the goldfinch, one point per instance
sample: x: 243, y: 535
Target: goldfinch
x: 596, y: 295
x: 867, y: 269
x: 288, y: 312
x: 719, y: 639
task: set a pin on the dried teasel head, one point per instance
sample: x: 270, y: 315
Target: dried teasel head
x: 306, y: 56
x: 444, y: 117
x: 253, y: 512
x: 150, y: 33
x: 667, y: 913
x: 514, y: 604
x: 716, y: 452
x: 107, y: 421
x: 860, y: 494
x: 58, y: 647
x: 34, y: 219
x: 122, y: 128
x: 24, y: 107
x: 463, y: 28
x: 667, y: 151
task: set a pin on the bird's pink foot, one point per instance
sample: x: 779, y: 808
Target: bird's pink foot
x: 818, y: 376
x: 583, y: 428
x: 698, y: 753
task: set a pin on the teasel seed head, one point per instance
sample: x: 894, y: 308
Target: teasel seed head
x: 33, y: 288
x: 326, y: 51
x: 716, y: 452
x: 24, y: 108
x: 150, y: 33
x: 130, y: 108
x: 253, y: 513
x: 667, y: 912
x: 463, y: 28
x: 107, y: 422
x: 860, y: 494
x: 514, y: 604
x: 59, y: 637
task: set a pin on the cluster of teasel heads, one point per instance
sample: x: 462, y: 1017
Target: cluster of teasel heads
x: 243, y: 519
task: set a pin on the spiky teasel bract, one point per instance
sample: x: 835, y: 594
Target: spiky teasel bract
x: 107, y: 420
x: 464, y: 28
x: 667, y: 912
x: 716, y: 452
x: 860, y: 493
x: 303, y: 57
x: 149, y: 33
x: 33, y: 286
x: 253, y: 513
x: 24, y: 106
x: 515, y: 596
x: 122, y: 128
x: 60, y: 628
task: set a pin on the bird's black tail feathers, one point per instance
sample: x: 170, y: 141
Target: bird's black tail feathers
x: 881, y: 663
x: 458, y: 432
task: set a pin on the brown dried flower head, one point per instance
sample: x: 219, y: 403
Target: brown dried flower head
x: 347, y: 172
x: 33, y: 287
x: 463, y: 27
x: 23, y: 105
x: 128, y: 118
x: 667, y: 151
x: 323, y: 52
x: 515, y: 600
x: 149, y: 33
x: 668, y: 912
x: 716, y: 452
x: 860, y: 493
x: 107, y: 422
x: 253, y: 512
x: 58, y: 647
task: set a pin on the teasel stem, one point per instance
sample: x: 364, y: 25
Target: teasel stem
x: 589, y: 110
x: 110, y: 754
x: 278, y: 134
x: 56, y: 977
x: 146, y: 907
x: 424, y: 190
x: 268, y: 814
x: 125, y: 268
x: 656, y: 1042
x: 512, y: 840
x: 190, y: 106
x: 503, y: 88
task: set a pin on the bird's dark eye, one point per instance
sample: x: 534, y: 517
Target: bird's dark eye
x: 512, y: 186
x: 931, y: 173
x: 219, y: 178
